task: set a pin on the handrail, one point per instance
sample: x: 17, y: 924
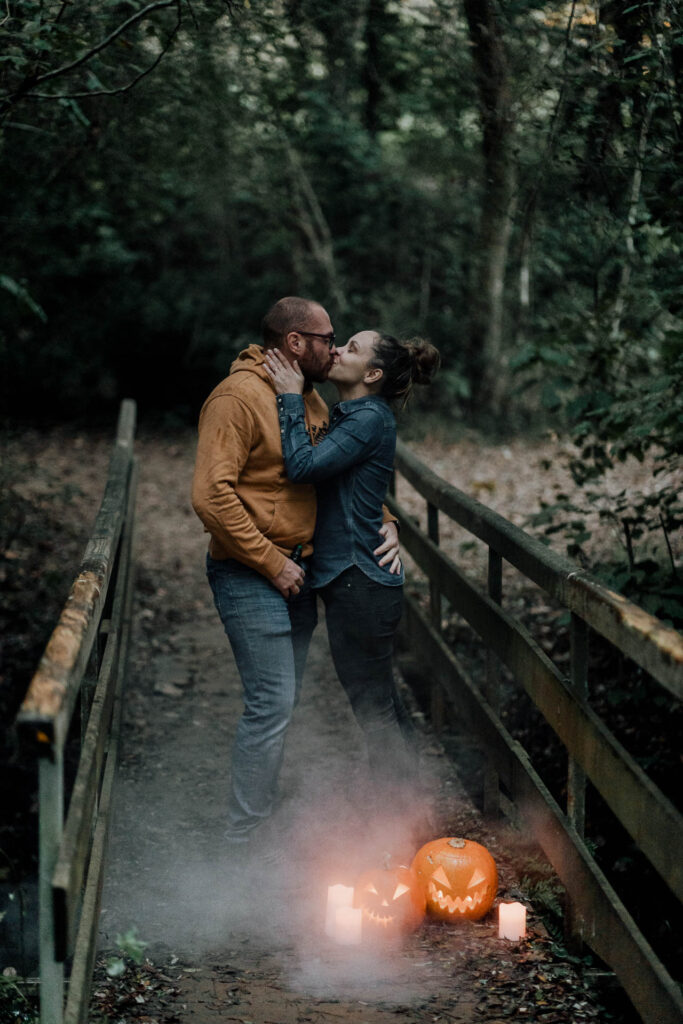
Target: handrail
x: 654, y: 646
x: 84, y: 660
x: 49, y: 702
x: 640, y: 806
x: 597, y: 915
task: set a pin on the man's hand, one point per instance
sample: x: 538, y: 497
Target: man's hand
x: 290, y: 580
x: 389, y: 550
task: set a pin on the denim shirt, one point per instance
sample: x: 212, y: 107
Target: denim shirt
x: 351, y: 467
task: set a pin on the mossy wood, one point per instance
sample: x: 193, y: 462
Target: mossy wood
x: 652, y: 645
x: 596, y: 914
x: 599, y: 917
x: 649, y: 817
x: 46, y: 711
x: 93, y: 630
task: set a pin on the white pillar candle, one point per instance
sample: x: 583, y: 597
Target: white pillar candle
x: 511, y: 921
x: 337, y: 896
x: 348, y: 922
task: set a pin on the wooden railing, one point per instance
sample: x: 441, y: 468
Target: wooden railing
x: 84, y: 663
x: 597, y: 915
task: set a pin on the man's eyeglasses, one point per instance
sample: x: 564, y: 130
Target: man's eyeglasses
x: 329, y: 338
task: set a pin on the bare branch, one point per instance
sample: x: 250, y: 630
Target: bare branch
x: 108, y: 92
x: 26, y: 89
x: 157, y: 5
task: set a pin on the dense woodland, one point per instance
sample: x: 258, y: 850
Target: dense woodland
x: 502, y: 176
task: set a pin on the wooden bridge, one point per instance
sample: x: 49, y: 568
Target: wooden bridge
x: 84, y: 667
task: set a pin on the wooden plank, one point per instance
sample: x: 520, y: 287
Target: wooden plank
x: 72, y: 861
x: 86, y: 940
x: 645, y: 639
x: 46, y: 711
x: 600, y: 918
x: 492, y: 688
x: 650, y: 818
x: 80, y: 982
x: 604, y: 922
x: 50, y: 817
x: 576, y: 777
x: 652, y: 645
x: 436, y: 708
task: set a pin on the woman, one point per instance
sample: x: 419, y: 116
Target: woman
x: 351, y: 467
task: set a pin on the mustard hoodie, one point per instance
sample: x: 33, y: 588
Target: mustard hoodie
x: 240, y: 492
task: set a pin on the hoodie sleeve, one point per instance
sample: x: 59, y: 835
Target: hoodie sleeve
x: 352, y: 440
x: 227, y: 433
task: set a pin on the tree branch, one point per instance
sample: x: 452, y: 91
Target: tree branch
x: 85, y: 57
x: 26, y: 89
x: 107, y: 92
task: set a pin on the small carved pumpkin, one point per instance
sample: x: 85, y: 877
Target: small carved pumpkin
x: 392, y: 901
x: 459, y: 878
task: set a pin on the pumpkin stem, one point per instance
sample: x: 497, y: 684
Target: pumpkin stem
x: 457, y: 844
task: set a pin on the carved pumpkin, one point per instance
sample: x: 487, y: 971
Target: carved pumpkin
x: 459, y: 878
x: 392, y: 901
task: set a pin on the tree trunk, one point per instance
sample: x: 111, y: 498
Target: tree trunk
x: 632, y: 213
x: 371, y: 79
x: 485, y: 342
x: 314, y: 225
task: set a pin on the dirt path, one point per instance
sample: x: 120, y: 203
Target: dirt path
x: 259, y: 954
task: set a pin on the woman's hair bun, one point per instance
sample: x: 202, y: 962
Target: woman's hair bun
x: 404, y: 363
x: 425, y: 360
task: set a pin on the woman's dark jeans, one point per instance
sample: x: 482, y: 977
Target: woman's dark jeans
x: 362, y: 617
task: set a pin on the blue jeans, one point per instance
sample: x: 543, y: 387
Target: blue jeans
x: 269, y: 637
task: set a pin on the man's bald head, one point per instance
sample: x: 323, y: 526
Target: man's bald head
x: 289, y: 314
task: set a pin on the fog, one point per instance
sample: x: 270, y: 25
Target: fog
x: 169, y: 875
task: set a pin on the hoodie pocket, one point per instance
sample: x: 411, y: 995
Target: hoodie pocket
x: 293, y: 518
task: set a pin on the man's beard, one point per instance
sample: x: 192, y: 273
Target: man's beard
x: 314, y: 367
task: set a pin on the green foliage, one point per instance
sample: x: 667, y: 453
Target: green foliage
x: 603, y: 351
x: 543, y: 889
x: 159, y: 224
x: 334, y: 150
x: 131, y: 948
x: 623, y: 401
x: 15, y: 1003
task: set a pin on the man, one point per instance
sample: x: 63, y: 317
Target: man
x: 257, y: 519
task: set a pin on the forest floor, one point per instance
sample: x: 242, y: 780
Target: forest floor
x: 257, y: 952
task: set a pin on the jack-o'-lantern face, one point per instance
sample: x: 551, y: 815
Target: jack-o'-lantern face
x: 392, y: 902
x: 459, y: 878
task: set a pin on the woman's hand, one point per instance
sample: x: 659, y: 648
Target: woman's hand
x: 287, y: 378
x: 389, y: 550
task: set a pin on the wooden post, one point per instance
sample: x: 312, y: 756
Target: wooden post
x: 51, y: 820
x: 576, y: 779
x: 576, y: 776
x: 437, y: 707
x: 88, y: 685
x: 492, y: 689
